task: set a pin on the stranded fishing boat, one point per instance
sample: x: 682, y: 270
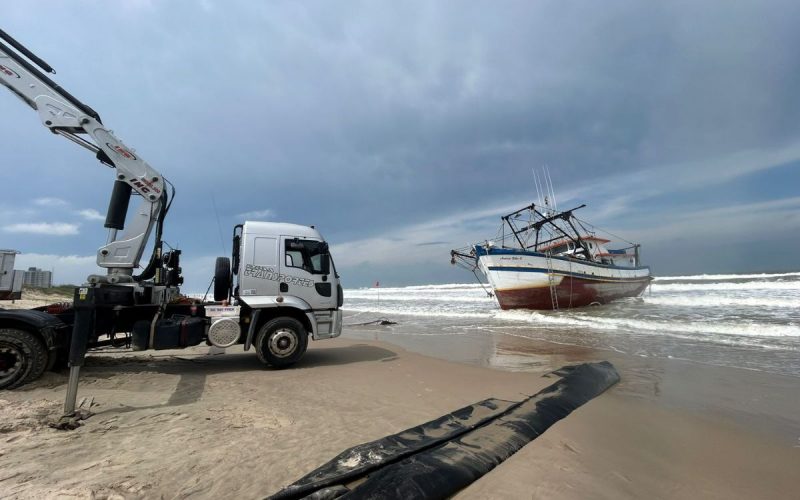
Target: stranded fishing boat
x: 553, y: 262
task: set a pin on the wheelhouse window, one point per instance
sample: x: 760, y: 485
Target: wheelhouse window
x: 305, y: 254
x: 561, y: 249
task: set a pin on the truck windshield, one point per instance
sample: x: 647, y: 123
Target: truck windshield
x: 305, y: 254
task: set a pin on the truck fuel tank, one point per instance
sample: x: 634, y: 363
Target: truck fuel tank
x: 170, y: 333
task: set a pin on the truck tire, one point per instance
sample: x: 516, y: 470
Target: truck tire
x: 23, y: 358
x: 222, y: 278
x: 281, y: 342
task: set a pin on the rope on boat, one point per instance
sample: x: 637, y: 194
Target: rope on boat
x: 582, y: 222
x: 571, y: 283
x: 488, y: 293
x: 464, y: 260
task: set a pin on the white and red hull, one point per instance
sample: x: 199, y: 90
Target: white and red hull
x: 522, y: 279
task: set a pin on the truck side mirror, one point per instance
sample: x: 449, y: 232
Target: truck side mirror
x: 325, y: 258
x: 236, y: 254
x: 325, y: 263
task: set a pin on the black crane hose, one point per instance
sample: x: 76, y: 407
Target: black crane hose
x: 155, y: 258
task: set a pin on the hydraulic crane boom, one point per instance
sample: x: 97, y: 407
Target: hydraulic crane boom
x: 119, y: 289
x: 65, y: 115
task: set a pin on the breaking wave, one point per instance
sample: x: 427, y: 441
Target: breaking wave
x: 402, y: 297
x: 416, y: 311
x: 740, y: 320
x: 717, y: 301
x: 721, y: 277
x: 747, y: 285
x: 742, y: 328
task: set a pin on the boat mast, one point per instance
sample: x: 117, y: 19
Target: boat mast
x: 566, y: 215
x: 543, y: 221
x: 507, y: 220
x: 579, y: 241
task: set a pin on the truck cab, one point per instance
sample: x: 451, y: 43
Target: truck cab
x: 279, y: 288
x: 288, y: 261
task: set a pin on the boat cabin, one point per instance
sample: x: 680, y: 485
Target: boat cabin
x: 597, y: 249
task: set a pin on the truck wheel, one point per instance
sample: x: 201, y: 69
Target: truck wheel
x: 23, y: 358
x: 222, y: 278
x: 281, y: 342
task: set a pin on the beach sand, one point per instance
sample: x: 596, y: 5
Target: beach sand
x: 193, y: 423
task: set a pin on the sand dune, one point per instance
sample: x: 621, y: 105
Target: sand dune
x: 34, y: 298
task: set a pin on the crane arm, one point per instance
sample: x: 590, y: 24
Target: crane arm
x: 65, y: 115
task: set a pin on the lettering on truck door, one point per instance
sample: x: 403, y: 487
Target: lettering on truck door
x: 261, y: 271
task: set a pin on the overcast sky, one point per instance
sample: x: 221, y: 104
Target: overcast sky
x: 404, y: 129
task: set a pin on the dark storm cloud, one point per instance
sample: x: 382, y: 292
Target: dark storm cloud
x: 362, y: 117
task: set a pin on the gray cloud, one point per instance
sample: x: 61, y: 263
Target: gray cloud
x: 50, y: 202
x: 91, y: 214
x: 43, y: 228
x: 257, y: 214
x: 367, y: 118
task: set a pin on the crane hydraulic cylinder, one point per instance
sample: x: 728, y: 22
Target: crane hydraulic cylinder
x: 118, y: 206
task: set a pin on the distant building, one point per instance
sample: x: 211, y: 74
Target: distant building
x: 37, y: 278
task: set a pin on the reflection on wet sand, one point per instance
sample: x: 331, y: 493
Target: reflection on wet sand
x: 763, y: 401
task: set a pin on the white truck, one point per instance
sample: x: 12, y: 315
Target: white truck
x: 278, y: 287
x: 285, y: 288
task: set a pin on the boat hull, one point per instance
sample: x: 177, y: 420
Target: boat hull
x: 523, y: 280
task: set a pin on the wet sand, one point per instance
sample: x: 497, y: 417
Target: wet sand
x: 669, y: 429
x: 178, y: 424
x: 759, y: 402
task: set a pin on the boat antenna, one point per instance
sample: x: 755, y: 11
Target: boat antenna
x: 550, y: 188
x: 539, y: 197
x: 544, y: 190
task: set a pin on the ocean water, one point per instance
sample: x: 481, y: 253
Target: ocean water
x: 749, y: 321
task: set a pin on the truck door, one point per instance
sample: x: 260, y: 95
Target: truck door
x: 259, y: 266
x: 304, y: 274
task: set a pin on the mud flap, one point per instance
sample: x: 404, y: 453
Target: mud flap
x: 440, y: 457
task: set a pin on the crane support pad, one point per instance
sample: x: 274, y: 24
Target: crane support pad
x: 438, y: 458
